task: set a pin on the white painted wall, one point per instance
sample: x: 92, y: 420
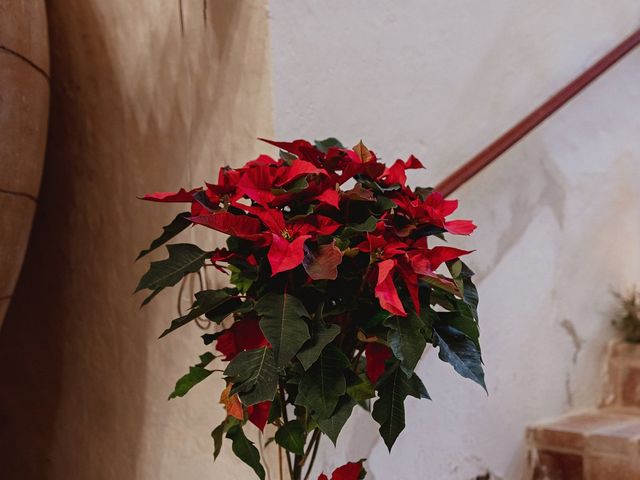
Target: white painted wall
x: 558, y: 215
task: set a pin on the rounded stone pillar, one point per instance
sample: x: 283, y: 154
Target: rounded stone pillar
x: 24, y: 111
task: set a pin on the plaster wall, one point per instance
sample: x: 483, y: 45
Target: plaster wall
x: 558, y: 215
x: 146, y: 95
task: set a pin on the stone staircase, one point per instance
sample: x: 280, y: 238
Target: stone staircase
x: 601, y: 444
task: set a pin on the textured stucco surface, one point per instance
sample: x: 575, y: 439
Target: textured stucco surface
x: 559, y: 214
x: 138, y: 104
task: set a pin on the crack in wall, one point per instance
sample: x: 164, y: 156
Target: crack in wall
x: 568, y: 326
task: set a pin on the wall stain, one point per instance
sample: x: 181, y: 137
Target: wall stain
x: 568, y: 326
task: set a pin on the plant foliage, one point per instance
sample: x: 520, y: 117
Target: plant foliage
x: 339, y: 281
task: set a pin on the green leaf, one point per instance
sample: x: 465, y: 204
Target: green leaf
x: 460, y: 351
x: 327, y: 143
x: 242, y: 278
x: 321, y: 338
x: 369, y: 225
x: 254, y: 375
x: 245, y: 450
x: 197, y: 373
x: 283, y: 325
x: 324, y: 383
x: 218, y: 434
x: 406, y: 339
x: 375, y: 320
x: 291, y: 436
x: 177, y: 225
x: 388, y: 410
x: 295, y: 186
x: 363, y: 390
x: 461, y: 319
x: 385, y: 203
x: 333, y: 425
x: 183, y: 258
x: 220, y: 301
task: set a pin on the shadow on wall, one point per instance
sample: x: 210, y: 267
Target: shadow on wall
x: 73, y: 347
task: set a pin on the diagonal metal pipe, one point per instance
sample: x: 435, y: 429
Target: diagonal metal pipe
x: 535, y: 118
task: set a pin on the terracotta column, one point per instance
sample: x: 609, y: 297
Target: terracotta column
x: 24, y: 109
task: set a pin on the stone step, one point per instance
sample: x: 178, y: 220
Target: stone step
x: 592, y: 445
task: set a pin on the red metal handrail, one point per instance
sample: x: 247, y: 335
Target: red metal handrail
x: 531, y: 121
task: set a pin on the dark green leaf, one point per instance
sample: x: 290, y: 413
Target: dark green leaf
x: 407, y: 339
x: 333, y: 425
x: 245, y: 450
x: 291, y: 436
x: 168, y: 232
x: 214, y: 301
x: 324, y: 383
x: 369, y: 225
x: 219, y: 432
x: 461, y: 319
x: 321, y: 338
x: 327, y: 143
x: 460, y: 351
x: 388, y: 410
x: 283, y: 325
x: 196, y: 374
x: 376, y: 320
x: 254, y: 375
x: 183, y: 258
x: 385, y: 203
x: 295, y: 186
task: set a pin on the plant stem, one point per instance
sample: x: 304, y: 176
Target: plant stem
x: 283, y: 406
x: 316, y: 433
x: 313, y: 457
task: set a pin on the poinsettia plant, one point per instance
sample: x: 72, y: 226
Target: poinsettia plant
x: 339, y: 279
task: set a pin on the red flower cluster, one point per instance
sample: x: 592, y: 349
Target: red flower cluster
x: 291, y: 205
x: 336, y: 290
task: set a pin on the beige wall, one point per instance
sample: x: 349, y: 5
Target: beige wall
x: 138, y: 104
x: 557, y: 215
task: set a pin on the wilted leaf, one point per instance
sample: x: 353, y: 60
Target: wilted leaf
x: 363, y: 152
x: 322, y: 264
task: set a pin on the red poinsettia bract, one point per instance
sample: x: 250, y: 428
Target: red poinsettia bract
x: 350, y: 471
